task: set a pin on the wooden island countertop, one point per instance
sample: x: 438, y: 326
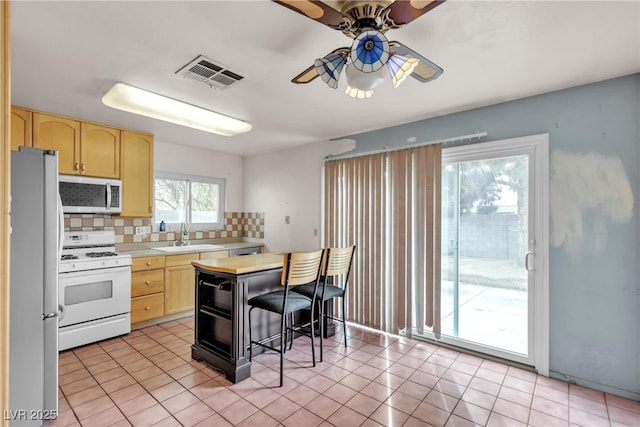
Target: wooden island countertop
x: 242, y: 264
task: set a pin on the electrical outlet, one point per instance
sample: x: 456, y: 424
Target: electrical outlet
x: 141, y: 231
x: 315, y: 231
x: 287, y: 220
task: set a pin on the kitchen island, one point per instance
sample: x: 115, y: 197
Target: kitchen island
x: 223, y: 287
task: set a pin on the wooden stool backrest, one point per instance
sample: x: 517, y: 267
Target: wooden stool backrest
x: 338, y: 261
x: 300, y: 268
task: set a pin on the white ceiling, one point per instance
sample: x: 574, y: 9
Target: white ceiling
x: 66, y: 55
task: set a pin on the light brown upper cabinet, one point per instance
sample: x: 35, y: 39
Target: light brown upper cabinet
x: 83, y: 148
x: 136, y: 173
x: 61, y: 134
x: 99, y: 150
x: 20, y: 128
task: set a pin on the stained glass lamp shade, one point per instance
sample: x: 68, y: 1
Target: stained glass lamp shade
x: 400, y: 67
x: 369, y: 51
x: 329, y: 69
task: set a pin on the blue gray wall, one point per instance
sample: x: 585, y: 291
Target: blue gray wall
x: 594, y: 296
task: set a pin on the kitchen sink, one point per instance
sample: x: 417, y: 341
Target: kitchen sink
x: 189, y: 248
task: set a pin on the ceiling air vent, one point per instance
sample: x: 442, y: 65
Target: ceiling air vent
x: 208, y: 72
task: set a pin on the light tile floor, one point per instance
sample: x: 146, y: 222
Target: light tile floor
x: 148, y: 378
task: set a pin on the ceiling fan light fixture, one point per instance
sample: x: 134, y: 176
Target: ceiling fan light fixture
x: 369, y: 51
x: 364, y: 81
x: 400, y: 67
x: 133, y: 100
x: 329, y: 69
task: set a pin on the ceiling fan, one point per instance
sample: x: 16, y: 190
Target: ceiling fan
x: 366, y: 22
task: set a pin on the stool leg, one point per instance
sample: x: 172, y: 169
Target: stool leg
x: 321, y: 319
x: 313, y: 347
x: 344, y: 320
x: 282, y: 344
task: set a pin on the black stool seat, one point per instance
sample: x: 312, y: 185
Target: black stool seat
x: 330, y: 292
x: 272, y: 301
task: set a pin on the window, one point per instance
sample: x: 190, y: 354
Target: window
x: 198, y: 201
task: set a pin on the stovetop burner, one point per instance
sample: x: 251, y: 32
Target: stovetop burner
x: 100, y: 254
x: 90, y: 250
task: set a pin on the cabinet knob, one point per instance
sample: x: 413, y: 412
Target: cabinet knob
x: 147, y: 308
x: 83, y: 167
x: 76, y: 166
x: 147, y: 282
x: 148, y: 262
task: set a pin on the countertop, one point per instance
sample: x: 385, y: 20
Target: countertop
x: 242, y: 264
x: 141, y: 250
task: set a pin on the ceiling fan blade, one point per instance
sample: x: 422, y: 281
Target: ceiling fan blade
x: 315, y: 10
x: 425, y: 70
x: 306, y: 76
x: 403, y: 12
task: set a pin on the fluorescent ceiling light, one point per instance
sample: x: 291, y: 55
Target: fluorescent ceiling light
x: 127, y: 98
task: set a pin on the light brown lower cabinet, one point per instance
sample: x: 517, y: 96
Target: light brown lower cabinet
x: 179, y: 282
x: 147, y: 288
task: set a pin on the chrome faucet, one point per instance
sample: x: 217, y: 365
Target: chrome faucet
x: 184, y: 235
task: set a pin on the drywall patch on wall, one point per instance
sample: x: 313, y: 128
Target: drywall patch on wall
x: 587, y: 192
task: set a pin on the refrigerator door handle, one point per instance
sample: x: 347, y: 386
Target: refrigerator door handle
x: 60, y: 227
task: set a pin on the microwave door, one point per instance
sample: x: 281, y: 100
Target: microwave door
x: 84, y: 197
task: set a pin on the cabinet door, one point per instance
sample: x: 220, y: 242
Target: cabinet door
x: 61, y: 134
x: 20, y: 128
x: 99, y: 151
x: 179, y: 289
x: 136, y: 173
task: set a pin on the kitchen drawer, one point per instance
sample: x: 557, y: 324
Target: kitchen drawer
x: 214, y: 255
x: 149, y: 263
x: 147, y: 282
x: 182, y: 259
x: 147, y: 307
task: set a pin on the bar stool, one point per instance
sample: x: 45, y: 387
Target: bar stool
x: 299, y: 268
x: 336, y: 265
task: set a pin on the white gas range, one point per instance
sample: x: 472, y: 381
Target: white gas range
x: 94, y: 289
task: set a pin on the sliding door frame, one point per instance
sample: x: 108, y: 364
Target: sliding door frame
x: 537, y: 147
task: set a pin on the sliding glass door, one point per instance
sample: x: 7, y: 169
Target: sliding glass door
x: 489, y: 292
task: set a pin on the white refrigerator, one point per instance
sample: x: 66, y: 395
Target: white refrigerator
x: 37, y: 224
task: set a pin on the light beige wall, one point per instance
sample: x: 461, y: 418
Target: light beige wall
x: 288, y: 183
x: 5, y: 102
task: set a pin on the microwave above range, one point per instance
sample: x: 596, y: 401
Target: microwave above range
x: 82, y: 194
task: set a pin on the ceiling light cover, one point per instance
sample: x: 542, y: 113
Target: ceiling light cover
x: 369, y: 51
x: 329, y: 69
x: 360, y: 83
x: 133, y: 100
x: 400, y: 67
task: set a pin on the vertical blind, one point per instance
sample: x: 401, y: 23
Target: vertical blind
x: 388, y: 205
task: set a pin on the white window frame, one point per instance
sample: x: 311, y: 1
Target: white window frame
x: 200, y: 226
